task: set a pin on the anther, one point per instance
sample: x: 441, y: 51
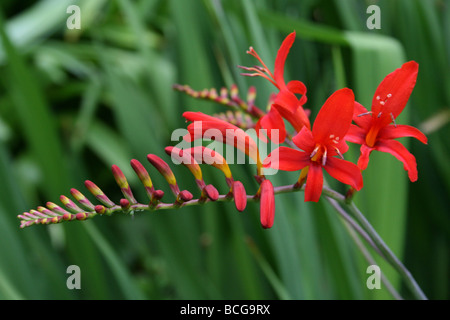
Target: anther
x: 364, y: 114
x: 339, y: 153
x: 314, y: 152
x: 379, y: 115
x: 393, y: 120
x: 324, y: 157
x: 383, y: 102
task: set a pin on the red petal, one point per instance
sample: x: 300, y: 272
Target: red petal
x: 290, y: 108
x: 356, y: 135
x: 401, y: 153
x: 240, y: 196
x: 335, y: 117
x: 258, y: 128
x: 287, y: 100
x: 267, y: 204
x: 273, y: 121
x: 361, y: 116
x: 345, y: 172
x: 399, y: 84
x: 198, y: 116
x: 300, y: 119
x: 363, y: 159
x: 314, y: 182
x: 287, y: 159
x: 342, y: 146
x: 296, y: 86
x: 304, y: 140
x: 278, y: 73
x: 399, y: 131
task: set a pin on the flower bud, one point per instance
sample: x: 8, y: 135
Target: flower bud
x: 240, y: 195
x: 267, y: 204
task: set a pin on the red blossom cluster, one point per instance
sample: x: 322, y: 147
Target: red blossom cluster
x: 322, y: 145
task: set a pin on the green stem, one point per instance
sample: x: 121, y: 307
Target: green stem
x: 351, y: 230
x: 387, y: 252
x: 376, y: 241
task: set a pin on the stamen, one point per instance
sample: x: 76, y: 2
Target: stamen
x: 261, y: 69
x: 393, y: 120
x: 331, y: 136
x: 389, y: 95
x: 339, y: 153
x: 252, y: 52
x: 378, y: 97
x: 324, y: 157
x: 258, y: 72
x: 364, y: 114
x: 379, y: 115
x: 314, y: 152
x: 382, y: 103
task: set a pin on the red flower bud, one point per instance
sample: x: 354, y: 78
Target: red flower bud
x: 81, y: 216
x: 267, y: 204
x: 240, y: 196
x: 185, y: 195
x: 123, y: 183
x: 125, y: 204
x: 211, y: 192
x: 100, y: 209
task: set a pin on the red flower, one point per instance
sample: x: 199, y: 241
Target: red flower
x: 374, y: 131
x: 286, y: 104
x: 320, y: 145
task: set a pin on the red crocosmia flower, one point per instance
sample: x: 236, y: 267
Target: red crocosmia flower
x: 286, y: 104
x: 374, y: 131
x: 320, y: 145
x: 267, y: 204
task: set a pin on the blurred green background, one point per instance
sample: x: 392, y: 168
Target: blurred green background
x: 74, y: 102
